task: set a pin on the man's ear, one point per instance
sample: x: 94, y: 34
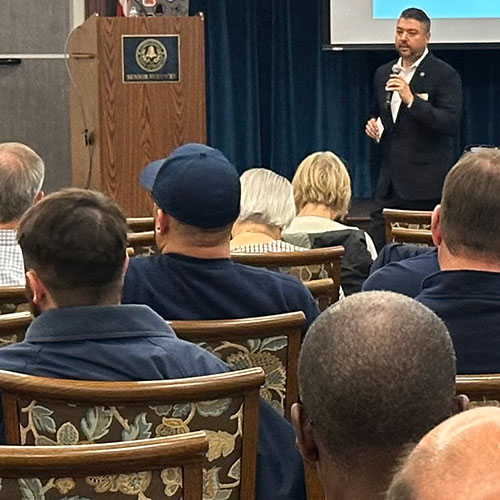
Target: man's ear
x: 126, y: 263
x: 37, y: 288
x: 304, y: 438
x: 162, y: 221
x: 39, y: 197
x: 460, y: 404
x: 437, y: 237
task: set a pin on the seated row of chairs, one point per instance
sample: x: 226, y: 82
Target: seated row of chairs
x: 82, y: 415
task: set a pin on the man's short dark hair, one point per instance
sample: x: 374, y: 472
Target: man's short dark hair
x: 21, y: 178
x: 418, y: 15
x: 76, y: 242
x: 470, y: 206
x: 376, y: 372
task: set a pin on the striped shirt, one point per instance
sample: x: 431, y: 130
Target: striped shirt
x: 275, y: 246
x: 11, y: 259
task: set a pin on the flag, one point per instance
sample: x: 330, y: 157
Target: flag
x: 122, y: 8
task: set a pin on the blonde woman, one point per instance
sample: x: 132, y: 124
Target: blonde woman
x: 322, y: 192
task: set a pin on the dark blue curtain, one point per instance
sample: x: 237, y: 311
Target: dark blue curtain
x: 273, y: 96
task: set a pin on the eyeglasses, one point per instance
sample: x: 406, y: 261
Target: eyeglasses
x: 475, y: 148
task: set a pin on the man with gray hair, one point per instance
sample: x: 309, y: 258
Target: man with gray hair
x: 376, y: 372
x: 21, y: 178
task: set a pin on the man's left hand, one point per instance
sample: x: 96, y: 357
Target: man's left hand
x: 397, y: 83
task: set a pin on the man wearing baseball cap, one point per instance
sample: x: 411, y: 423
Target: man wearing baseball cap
x: 197, y: 194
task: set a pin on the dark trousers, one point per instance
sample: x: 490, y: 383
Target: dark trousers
x: 377, y: 227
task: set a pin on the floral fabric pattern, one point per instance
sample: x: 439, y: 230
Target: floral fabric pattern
x: 148, y: 485
x: 222, y: 419
x: 271, y: 354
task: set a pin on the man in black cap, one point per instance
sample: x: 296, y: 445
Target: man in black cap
x: 197, y: 193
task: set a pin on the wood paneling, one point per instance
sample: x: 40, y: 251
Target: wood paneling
x: 133, y: 123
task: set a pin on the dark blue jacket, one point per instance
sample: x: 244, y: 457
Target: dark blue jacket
x: 133, y: 343
x: 404, y: 276
x: 469, y: 304
x: 417, y: 150
x: 179, y: 287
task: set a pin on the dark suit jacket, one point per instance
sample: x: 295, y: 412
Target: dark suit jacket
x: 417, y: 150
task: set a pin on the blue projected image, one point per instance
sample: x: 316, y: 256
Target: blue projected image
x: 441, y: 9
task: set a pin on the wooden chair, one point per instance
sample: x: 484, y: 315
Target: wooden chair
x: 482, y: 390
x: 44, y: 411
x: 139, y: 224
x: 271, y: 342
x: 13, y: 327
x: 167, y: 467
x: 408, y: 235
x: 323, y: 291
x: 307, y: 265
x: 13, y: 299
x: 142, y: 243
x: 413, y: 219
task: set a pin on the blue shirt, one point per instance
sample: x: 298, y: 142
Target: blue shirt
x: 179, y: 287
x: 133, y: 343
x: 469, y: 304
x: 404, y: 276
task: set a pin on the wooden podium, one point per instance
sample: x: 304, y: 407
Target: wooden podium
x: 118, y: 126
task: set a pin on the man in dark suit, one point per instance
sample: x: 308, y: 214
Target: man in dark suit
x: 417, y: 111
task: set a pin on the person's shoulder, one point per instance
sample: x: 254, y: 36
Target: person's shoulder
x: 431, y: 61
x: 404, y: 276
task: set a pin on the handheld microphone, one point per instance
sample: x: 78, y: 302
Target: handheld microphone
x: 395, y: 70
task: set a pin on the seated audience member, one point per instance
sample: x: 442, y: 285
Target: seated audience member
x: 376, y: 372
x: 458, y: 460
x: 401, y: 268
x: 74, y: 247
x: 197, y: 192
x: 322, y: 192
x: 466, y: 292
x: 21, y: 178
x: 267, y: 207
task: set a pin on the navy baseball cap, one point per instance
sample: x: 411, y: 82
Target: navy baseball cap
x: 196, y: 184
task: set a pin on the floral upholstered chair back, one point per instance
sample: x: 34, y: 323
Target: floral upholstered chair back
x: 482, y: 390
x: 170, y: 469
x: 407, y: 226
x: 225, y: 406
x: 307, y: 265
x: 270, y: 342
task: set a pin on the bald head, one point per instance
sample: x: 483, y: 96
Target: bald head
x: 457, y: 460
x: 376, y: 371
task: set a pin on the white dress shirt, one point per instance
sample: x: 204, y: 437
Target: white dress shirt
x: 407, y: 74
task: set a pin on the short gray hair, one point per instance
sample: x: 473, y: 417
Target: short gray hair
x: 376, y: 372
x: 21, y: 177
x: 266, y: 198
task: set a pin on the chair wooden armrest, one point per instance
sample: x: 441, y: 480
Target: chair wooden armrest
x: 407, y: 235
x: 140, y: 224
x: 396, y: 216
x: 149, y: 465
